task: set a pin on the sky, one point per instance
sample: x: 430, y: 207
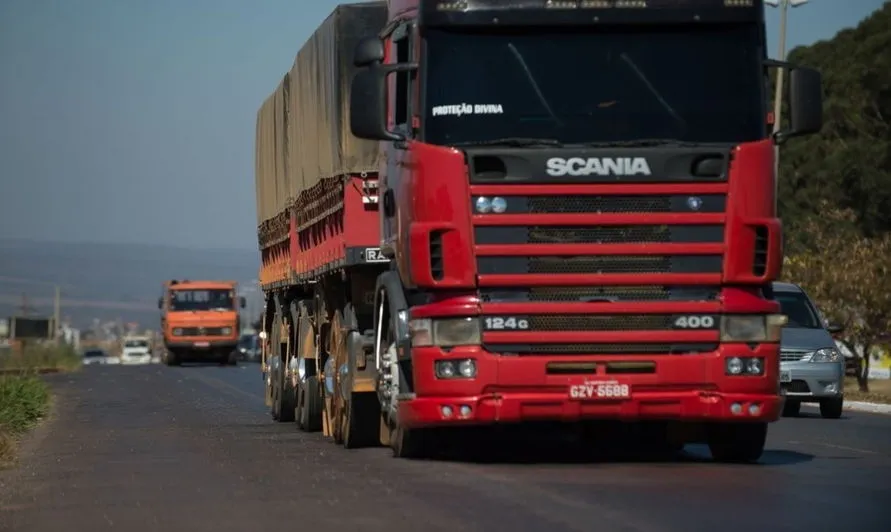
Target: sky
x: 134, y: 120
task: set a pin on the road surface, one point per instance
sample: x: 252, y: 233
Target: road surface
x: 153, y: 448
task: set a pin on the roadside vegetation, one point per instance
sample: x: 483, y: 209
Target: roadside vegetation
x: 39, y: 359
x: 835, y: 193
x: 24, y: 396
x: 24, y: 400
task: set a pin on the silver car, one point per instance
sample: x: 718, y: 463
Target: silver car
x: 812, y: 370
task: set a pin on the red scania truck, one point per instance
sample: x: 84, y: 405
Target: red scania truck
x: 569, y: 214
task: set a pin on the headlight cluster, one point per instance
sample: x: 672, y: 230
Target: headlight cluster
x: 177, y: 332
x: 226, y: 330
x: 448, y: 332
x: 744, y: 366
x: 455, y: 369
x: 485, y: 205
x: 829, y: 354
x: 754, y: 328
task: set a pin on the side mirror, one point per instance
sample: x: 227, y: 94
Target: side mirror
x: 242, y: 302
x: 368, y: 102
x: 160, y: 302
x: 369, y: 51
x: 805, y: 104
x: 835, y: 328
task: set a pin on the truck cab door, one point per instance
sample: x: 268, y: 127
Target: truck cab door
x: 395, y: 177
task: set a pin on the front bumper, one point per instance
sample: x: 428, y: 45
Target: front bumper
x: 511, y: 389
x: 813, y: 380
x: 140, y: 358
x: 203, y: 344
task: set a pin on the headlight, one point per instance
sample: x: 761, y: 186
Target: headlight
x: 226, y: 330
x: 829, y: 354
x: 750, y: 366
x: 445, y: 332
x: 752, y: 328
x: 455, y: 369
x: 177, y: 332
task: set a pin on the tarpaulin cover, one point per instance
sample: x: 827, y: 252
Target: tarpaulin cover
x: 303, y: 133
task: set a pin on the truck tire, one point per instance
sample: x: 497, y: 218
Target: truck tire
x: 283, y: 394
x: 410, y: 443
x: 312, y: 405
x: 171, y: 359
x: 737, y: 442
x: 832, y: 408
x: 362, y: 423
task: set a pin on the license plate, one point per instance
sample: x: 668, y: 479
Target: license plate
x: 785, y: 376
x: 600, y: 390
x: 201, y: 344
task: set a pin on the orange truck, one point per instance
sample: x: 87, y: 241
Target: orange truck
x: 200, y: 321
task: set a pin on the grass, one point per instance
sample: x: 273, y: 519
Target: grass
x: 39, y: 359
x: 24, y: 397
x: 879, y: 391
x: 24, y: 400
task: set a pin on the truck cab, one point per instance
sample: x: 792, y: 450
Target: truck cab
x: 200, y: 321
x: 579, y: 201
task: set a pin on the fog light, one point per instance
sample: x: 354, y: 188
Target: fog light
x: 447, y: 411
x: 832, y: 387
x: 483, y: 205
x: 734, y: 366
x: 754, y: 410
x: 465, y: 411
x: 736, y: 409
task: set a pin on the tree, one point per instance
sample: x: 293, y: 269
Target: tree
x: 848, y: 275
x: 849, y: 163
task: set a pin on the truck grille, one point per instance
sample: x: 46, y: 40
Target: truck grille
x: 601, y: 349
x: 203, y: 331
x: 600, y: 322
x: 637, y: 226
x: 566, y: 294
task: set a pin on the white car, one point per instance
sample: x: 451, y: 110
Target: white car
x: 136, y: 351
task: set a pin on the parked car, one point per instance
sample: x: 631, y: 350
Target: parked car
x: 812, y: 370
x: 94, y: 356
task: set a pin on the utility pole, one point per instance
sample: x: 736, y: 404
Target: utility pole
x: 57, y: 311
x: 783, y: 5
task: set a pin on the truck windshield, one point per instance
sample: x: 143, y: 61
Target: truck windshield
x: 136, y: 343
x: 694, y: 84
x: 202, y: 299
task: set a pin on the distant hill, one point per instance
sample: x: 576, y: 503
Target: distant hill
x: 110, y: 281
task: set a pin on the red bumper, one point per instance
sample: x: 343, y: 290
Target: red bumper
x: 511, y: 389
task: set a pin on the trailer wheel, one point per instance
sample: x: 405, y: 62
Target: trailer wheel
x: 737, y: 442
x: 312, y: 409
x: 284, y: 397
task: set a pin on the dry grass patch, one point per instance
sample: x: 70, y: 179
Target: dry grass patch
x: 879, y: 391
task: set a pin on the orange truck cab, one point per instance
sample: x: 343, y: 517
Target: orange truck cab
x: 200, y: 321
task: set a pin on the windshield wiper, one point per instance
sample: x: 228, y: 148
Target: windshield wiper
x: 640, y: 143
x: 518, y: 142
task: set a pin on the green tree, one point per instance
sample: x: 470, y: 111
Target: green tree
x: 847, y: 165
x: 850, y: 277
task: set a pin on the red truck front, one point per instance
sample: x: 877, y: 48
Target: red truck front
x: 579, y: 197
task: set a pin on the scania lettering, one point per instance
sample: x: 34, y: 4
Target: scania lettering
x: 546, y: 258
x: 598, y: 166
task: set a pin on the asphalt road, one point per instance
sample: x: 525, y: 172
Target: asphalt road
x: 163, y: 449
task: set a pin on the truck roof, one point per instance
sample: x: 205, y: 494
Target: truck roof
x: 200, y: 285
